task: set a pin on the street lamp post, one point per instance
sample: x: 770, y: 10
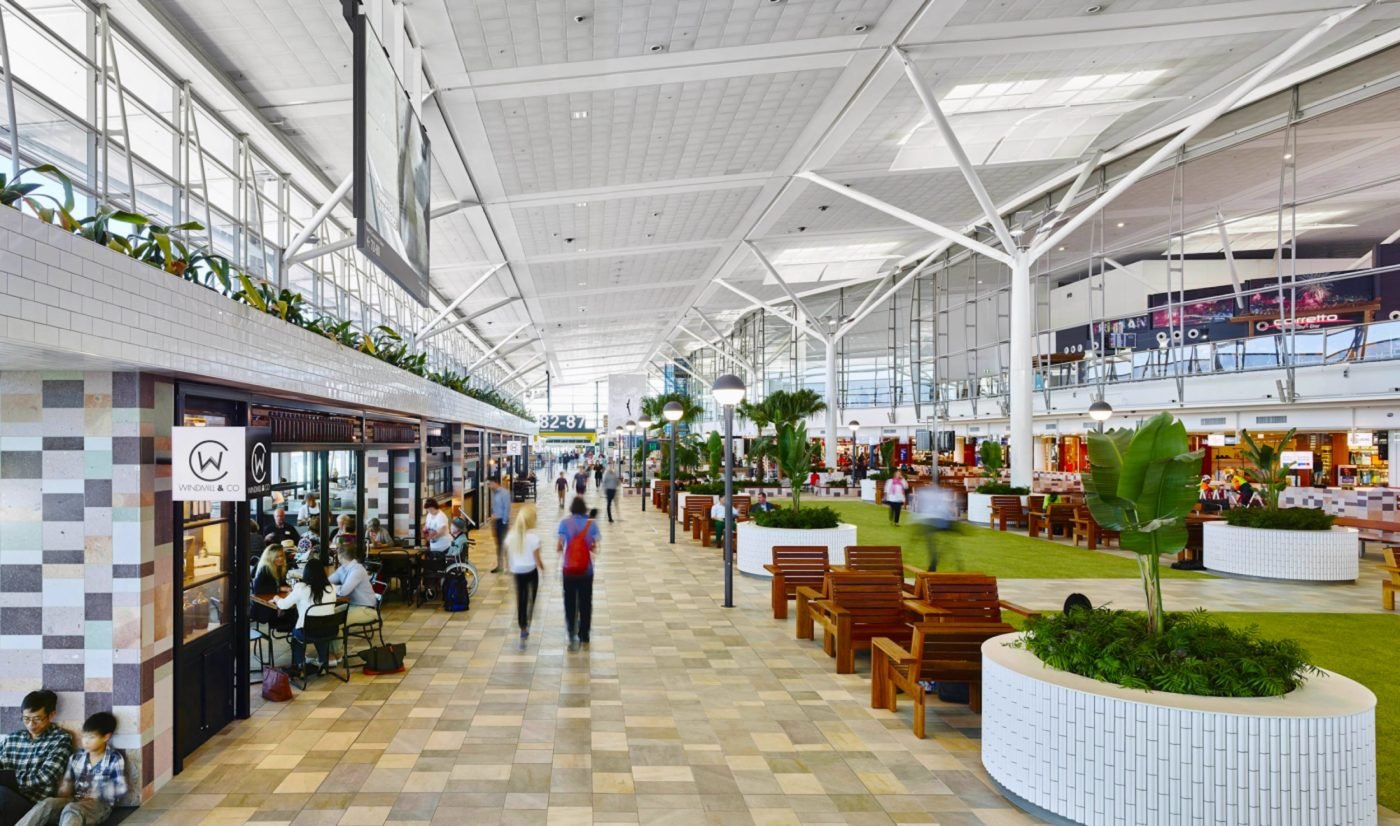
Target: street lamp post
x: 673, y: 412
x: 728, y: 391
x: 855, y: 428
x: 1100, y: 411
x: 631, y: 458
x: 620, y: 449
x: 645, y: 424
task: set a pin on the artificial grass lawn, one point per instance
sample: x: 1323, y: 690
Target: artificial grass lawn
x: 970, y: 548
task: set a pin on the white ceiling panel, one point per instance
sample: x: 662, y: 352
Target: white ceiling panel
x: 613, y: 223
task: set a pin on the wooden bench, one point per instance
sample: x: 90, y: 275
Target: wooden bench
x: 1371, y: 530
x: 1390, y: 587
x: 860, y: 607
x: 1086, y: 528
x: 945, y: 652
x: 707, y: 525
x: 795, y: 566
x: 960, y: 598
x: 696, y: 510
x: 1007, y: 509
x: 661, y: 496
x: 1057, y: 516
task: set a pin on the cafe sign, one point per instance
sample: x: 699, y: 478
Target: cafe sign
x: 210, y: 464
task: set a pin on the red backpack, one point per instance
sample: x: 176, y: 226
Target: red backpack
x: 576, y: 553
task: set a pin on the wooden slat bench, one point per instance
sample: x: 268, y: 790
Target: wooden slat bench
x: 696, y: 510
x: 1371, y: 530
x: 960, y: 598
x: 860, y: 607
x: 945, y: 652
x: 1008, y: 509
x: 794, y: 566
x: 1390, y: 587
x: 1057, y: 516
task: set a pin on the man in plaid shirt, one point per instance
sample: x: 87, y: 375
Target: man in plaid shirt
x: 37, y: 756
x: 94, y: 783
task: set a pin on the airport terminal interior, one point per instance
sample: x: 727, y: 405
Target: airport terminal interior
x: 742, y: 412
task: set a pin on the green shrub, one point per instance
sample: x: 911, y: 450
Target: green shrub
x: 809, y: 518
x: 838, y: 483
x: 1195, y: 654
x: 1281, y: 519
x: 1002, y: 489
x: 707, y: 488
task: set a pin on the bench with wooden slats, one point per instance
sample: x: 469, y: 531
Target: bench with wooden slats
x: 1059, y: 516
x: 960, y: 598
x: 706, y: 530
x: 660, y: 496
x: 696, y: 510
x: 943, y: 652
x: 1390, y: 587
x: 1007, y: 509
x: 860, y: 607
x: 795, y: 566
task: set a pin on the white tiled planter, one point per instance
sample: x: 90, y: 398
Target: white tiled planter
x: 755, y: 544
x: 979, y: 507
x: 1309, y: 556
x: 1096, y: 753
x: 867, y: 490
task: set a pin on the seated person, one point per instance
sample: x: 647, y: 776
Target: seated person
x: 281, y: 529
x: 763, y: 504
x: 378, y: 536
x: 93, y: 785
x: 314, y: 596
x: 352, y: 581
x: 458, y: 549
x: 344, y: 533
x: 717, y: 521
x: 270, y: 570
x: 37, y: 756
x: 310, y: 544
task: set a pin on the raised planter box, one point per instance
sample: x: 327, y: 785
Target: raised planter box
x: 755, y: 544
x: 1306, y: 556
x: 867, y: 490
x: 979, y: 507
x: 1096, y: 753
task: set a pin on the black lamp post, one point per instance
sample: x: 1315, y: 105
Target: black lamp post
x: 728, y: 391
x: 631, y: 458
x: 673, y: 412
x: 645, y: 424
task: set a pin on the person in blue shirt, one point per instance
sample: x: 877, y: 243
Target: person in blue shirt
x: 578, y: 588
x: 500, y: 520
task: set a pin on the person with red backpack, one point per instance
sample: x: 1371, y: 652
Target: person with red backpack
x: 578, y: 542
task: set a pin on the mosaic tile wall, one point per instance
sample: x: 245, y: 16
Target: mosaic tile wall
x: 403, y: 477
x: 85, y: 555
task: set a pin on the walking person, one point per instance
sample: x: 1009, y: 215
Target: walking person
x: 561, y: 487
x: 523, y: 555
x: 609, y: 484
x: 581, y: 481
x: 896, y: 491
x: 598, y: 476
x: 500, y: 520
x: 935, y: 509
x: 578, y: 543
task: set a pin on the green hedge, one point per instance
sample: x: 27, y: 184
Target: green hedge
x: 707, y: 488
x: 809, y: 518
x: 1002, y: 489
x: 1281, y: 519
x: 1195, y: 654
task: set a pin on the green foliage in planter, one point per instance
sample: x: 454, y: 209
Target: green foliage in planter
x: 1266, y: 465
x: 714, y: 453
x: 1002, y: 489
x: 807, y: 519
x: 707, y: 488
x: 887, y: 454
x: 794, y: 458
x: 1193, y: 654
x: 839, y: 483
x: 993, y: 460
x: 1280, y: 519
x: 877, y: 476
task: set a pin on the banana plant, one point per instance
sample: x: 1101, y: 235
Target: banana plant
x: 1142, y: 483
x: 98, y: 229
x: 1266, y: 465
x: 794, y: 458
x: 13, y: 193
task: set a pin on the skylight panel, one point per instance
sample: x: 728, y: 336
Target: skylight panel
x: 1259, y: 232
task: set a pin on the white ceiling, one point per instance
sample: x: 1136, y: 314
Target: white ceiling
x: 614, y: 223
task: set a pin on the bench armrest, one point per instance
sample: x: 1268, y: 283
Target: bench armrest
x: 893, y: 650
x: 1017, y: 609
x: 772, y: 569
x: 924, y: 610
x: 914, y: 570
x: 834, y: 609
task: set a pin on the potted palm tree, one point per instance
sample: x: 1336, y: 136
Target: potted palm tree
x: 1278, y: 543
x: 1141, y: 701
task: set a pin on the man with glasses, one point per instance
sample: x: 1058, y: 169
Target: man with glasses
x: 32, y: 761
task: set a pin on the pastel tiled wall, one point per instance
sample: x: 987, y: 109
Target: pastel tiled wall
x: 85, y: 554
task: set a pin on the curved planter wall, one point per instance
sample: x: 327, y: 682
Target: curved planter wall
x: 1310, y: 556
x: 755, y: 545
x: 979, y: 507
x: 1098, y: 754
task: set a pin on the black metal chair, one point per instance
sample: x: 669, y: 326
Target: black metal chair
x: 327, y: 628
x: 367, y: 630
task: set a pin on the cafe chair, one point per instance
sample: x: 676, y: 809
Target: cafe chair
x: 327, y: 628
x: 366, y: 630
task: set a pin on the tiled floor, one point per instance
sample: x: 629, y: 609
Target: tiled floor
x: 680, y: 712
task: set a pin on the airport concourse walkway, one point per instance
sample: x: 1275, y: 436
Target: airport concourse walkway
x: 679, y: 712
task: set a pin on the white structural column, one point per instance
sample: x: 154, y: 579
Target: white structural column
x: 1021, y: 385
x: 833, y: 406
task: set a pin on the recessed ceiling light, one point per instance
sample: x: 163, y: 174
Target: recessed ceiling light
x: 580, y: 204
x: 580, y: 114
x: 583, y: 249
x: 656, y: 47
x: 583, y: 283
x: 1121, y: 225
x: 860, y: 28
x: 1094, y: 9
x: 1288, y: 156
x: 1062, y: 249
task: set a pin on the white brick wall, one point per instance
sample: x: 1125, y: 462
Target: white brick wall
x: 66, y: 301
x: 753, y: 545
x: 1309, y: 556
x: 1100, y: 754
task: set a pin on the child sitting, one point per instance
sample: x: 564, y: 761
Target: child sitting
x: 94, y: 783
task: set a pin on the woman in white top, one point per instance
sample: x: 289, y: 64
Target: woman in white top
x: 435, y: 527
x: 523, y: 556
x: 313, y: 596
x: 896, y: 491
x: 308, y: 509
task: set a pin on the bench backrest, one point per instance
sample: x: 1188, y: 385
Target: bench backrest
x: 802, y: 564
x: 1006, y: 502
x: 872, y: 599
x: 1392, y: 561
x: 1035, y: 503
x: 876, y: 559
x: 1061, y: 512
x: 698, y: 503
x: 967, y: 597
x: 951, y: 646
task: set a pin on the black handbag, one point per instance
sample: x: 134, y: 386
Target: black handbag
x: 383, y: 659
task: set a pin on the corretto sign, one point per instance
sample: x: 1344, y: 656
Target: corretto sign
x: 1302, y: 322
